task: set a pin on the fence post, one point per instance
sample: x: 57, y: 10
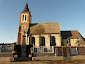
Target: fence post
x: 63, y: 53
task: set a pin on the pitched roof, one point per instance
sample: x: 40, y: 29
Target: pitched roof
x: 70, y: 34
x: 26, y: 8
x: 44, y: 28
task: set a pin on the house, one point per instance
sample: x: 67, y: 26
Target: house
x: 71, y: 38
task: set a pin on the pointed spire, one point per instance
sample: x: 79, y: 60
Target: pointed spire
x: 26, y: 8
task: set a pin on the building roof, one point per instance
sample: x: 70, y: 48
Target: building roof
x: 26, y: 9
x: 70, y: 34
x: 44, y: 28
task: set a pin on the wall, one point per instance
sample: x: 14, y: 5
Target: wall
x: 64, y: 53
x: 73, y: 42
x: 43, y: 54
x: 81, y: 50
x: 57, y: 39
x: 46, y: 58
x: 37, y: 40
x: 47, y: 37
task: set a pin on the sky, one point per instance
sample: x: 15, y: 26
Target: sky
x: 70, y: 14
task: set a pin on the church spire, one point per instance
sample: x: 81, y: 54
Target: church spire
x: 26, y: 8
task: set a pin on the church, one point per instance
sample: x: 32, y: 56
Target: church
x: 43, y: 41
x: 44, y: 35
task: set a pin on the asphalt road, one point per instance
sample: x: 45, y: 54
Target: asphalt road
x: 48, y: 62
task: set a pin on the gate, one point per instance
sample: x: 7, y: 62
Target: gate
x: 42, y: 49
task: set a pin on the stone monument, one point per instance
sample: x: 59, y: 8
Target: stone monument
x: 23, y: 46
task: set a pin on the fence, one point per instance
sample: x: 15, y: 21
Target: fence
x: 6, y: 48
x: 42, y: 49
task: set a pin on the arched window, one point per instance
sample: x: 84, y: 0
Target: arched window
x: 43, y: 42
x: 22, y: 17
x: 33, y: 40
x: 52, y: 41
x: 25, y: 17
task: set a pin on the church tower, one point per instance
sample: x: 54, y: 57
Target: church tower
x: 24, y: 24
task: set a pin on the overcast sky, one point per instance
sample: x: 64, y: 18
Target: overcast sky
x: 70, y: 14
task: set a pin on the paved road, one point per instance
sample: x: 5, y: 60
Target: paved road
x: 48, y: 62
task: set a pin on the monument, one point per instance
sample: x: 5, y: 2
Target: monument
x: 23, y: 46
x: 22, y: 52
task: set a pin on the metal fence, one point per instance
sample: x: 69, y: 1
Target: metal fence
x: 6, y: 48
x: 43, y: 49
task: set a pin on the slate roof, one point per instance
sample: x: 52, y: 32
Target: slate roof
x: 70, y: 34
x: 44, y: 28
x: 26, y: 9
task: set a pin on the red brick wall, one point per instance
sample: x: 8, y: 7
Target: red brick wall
x: 81, y: 50
x: 58, y: 51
